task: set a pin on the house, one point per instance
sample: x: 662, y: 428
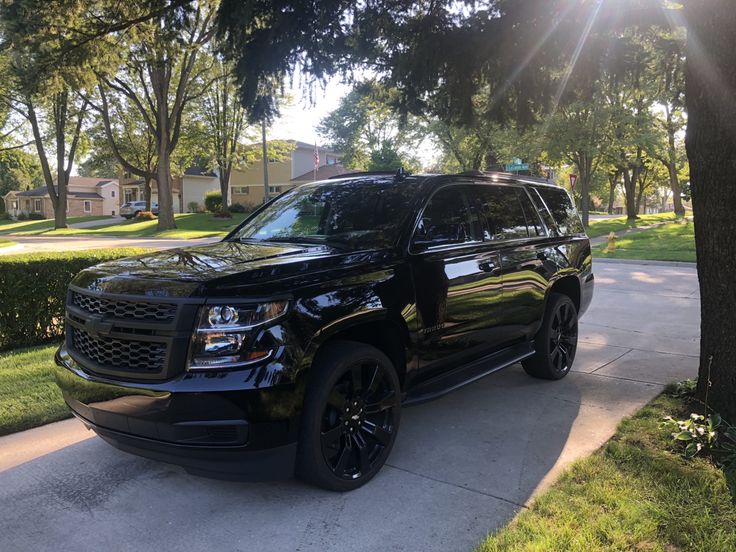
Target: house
x: 132, y: 188
x: 86, y: 196
x: 246, y: 185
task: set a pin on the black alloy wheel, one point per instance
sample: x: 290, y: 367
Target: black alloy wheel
x: 557, y: 340
x: 563, y: 339
x: 351, y: 417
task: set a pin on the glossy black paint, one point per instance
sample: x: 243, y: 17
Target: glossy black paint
x: 432, y: 311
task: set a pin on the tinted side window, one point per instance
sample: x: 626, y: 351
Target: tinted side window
x: 533, y: 222
x: 445, y: 220
x: 564, y: 213
x: 502, y: 211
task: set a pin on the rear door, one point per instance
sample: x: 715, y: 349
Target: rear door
x: 457, y: 280
x: 513, y: 223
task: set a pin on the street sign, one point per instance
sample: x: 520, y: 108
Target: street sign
x: 514, y: 167
x: 573, y: 181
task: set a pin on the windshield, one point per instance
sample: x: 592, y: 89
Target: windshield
x: 353, y: 214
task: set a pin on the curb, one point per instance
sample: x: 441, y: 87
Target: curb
x: 645, y: 262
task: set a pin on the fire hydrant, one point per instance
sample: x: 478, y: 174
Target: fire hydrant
x: 611, y: 243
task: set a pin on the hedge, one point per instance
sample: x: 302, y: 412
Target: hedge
x: 33, y: 292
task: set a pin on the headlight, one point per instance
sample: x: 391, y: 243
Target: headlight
x: 222, y: 338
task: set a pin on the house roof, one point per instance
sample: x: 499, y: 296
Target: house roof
x: 323, y: 172
x: 43, y: 192
x: 196, y: 170
x: 89, y: 181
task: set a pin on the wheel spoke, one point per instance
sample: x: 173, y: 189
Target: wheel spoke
x: 364, y: 462
x: 379, y: 434
x: 337, y: 399
x: 386, y: 402
x: 375, y: 381
x: 356, y: 380
x: 342, y: 461
x: 331, y: 436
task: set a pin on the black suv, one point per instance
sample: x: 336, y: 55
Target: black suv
x: 292, y: 344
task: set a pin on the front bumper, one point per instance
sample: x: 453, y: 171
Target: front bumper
x: 218, y: 425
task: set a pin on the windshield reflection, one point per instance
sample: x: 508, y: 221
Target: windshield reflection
x: 342, y: 213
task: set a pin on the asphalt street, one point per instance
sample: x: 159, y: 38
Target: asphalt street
x: 462, y: 466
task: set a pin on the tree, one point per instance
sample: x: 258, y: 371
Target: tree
x: 710, y: 99
x: 367, y: 131
x: 226, y: 122
x: 159, y: 73
x: 670, y: 78
x: 19, y: 170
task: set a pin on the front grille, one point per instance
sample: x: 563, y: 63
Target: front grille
x: 130, y: 356
x: 160, y: 312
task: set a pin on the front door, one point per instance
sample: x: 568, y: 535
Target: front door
x: 457, y: 279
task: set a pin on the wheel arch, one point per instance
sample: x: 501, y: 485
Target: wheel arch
x: 378, y: 329
x: 567, y: 285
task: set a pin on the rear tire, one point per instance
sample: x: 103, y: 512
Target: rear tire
x: 556, y: 341
x: 351, y: 416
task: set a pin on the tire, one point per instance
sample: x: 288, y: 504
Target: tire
x: 135, y: 215
x: 556, y: 341
x: 341, y: 448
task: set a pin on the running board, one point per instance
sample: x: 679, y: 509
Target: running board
x: 450, y: 381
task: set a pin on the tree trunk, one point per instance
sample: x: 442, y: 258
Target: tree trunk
x: 676, y: 191
x: 612, y: 180
x: 711, y: 149
x: 166, y: 219
x: 147, y: 192
x: 630, y: 193
x: 224, y: 186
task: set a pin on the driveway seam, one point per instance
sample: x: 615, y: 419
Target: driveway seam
x: 610, y: 362
x: 584, y: 340
x: 490, y: 495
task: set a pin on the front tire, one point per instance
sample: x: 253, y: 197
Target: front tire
x: 351, y: 416
x: 556, y: 341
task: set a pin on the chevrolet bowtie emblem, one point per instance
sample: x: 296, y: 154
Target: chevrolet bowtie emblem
x: 96, y: 325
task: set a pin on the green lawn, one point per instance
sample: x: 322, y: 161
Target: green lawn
x: 37, y: 226
x: 669, y: 242
x: 602, y: 227
x: 189, y: 225
x: 28, y: 395
x: 633, y: 494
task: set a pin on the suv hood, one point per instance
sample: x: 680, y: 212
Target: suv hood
x: 180, y: 272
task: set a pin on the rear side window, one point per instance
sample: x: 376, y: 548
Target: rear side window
x: 445, y: 221
x: 563, y: 212
x: 501, y: 210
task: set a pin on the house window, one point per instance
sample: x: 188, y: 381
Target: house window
x: 131, y: 194
x: 87, y: 206
x: 242, y: 190
x: 15, y: 206
x: 37, y: 205
x: 113, y: 193
x: 274, y: 189
x: 28, y: 204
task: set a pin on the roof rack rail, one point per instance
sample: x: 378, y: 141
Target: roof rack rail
x: 399, y: 173
x: 506, y: 175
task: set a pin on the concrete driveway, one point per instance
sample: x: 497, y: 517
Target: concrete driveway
x: 462, y: 466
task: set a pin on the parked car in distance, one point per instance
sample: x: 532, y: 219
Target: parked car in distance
x: 292, y: 345
x: 132, y: 208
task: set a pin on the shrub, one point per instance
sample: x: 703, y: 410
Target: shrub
x: 145, y: 215
x: 33, y: 292
x: 193, y: 207
x: 238, y: 208
x: 22, y: 216
x: 36, y: 216
x: 213, y: 201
